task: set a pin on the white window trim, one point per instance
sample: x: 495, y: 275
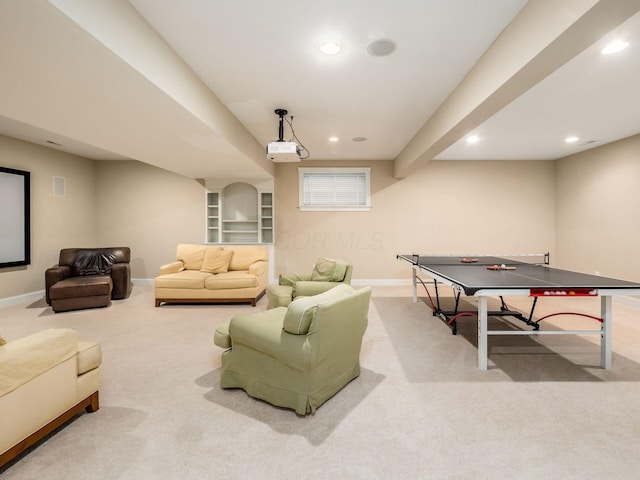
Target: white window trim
x: 334, y: 208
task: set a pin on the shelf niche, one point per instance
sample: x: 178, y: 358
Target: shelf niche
x: 239, y: 212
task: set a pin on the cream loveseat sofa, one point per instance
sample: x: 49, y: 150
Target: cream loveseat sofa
x: 214, y: 274
x: 45, y: 379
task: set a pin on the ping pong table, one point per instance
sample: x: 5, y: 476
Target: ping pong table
x: 499, y: 276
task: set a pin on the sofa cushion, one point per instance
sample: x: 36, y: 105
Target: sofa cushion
x: 27, y: 357
x: 245, y: 255
x: 216, y: 260
x: 193, y: 279
x: 221, y: 281
x: 93, y: 262
x: 307, y: 289
x: 191, y: 255
x: 301, y: 311
x: 328, y: 270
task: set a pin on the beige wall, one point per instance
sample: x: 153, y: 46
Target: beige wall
x: 149, y: 210
x: 56, y: 222
x: 598, y: 210
x: 583, y: 209
x: 107, y: 203
x: 446, y: 207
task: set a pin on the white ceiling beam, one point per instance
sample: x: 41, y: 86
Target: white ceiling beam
x: 544, y: 36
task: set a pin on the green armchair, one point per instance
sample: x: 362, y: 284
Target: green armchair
x: 298, y: 356
x: 327, y: 273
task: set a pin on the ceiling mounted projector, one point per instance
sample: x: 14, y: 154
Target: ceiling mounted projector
x: 281, y: 151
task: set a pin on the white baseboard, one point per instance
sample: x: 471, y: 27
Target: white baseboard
x: 628, y: 300
x: 26, y: 297
x: 389, y: 282
x: 381, y: 282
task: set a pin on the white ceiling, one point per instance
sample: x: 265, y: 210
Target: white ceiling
x: 257, y: 56
x: 86, y: 83
x: 594, y: 97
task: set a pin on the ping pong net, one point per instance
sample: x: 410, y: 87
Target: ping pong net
x: 508, y: 259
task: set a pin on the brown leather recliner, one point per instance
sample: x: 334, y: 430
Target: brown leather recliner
x: 88, y: 278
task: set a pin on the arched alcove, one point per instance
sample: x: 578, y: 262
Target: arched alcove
x: 240, y: 202
x: 240, y: 213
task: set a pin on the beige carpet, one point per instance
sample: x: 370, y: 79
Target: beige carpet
x: 420, y: 409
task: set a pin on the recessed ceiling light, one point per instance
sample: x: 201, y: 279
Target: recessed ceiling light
x: 473, y: 139
x: 359, y: 139
x: 615, y: 47
x: 330, y: 48
x: 333, y: 139
x: 572, y: 139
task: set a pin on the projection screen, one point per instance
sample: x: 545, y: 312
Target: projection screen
x: 15, y: 218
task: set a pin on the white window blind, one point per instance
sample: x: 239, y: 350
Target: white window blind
x: 334, y: 188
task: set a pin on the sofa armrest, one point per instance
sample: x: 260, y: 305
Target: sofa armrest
x: 89, y: 356
x: 258, y: 268
x: 121, y: 279
x: 173, y: 267
x: 308, y: 288
x: 54, y: 275
x: 289, y: 279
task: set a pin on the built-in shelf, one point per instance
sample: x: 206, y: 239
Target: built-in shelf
x: 239, y: 213
x: 266, y: 217
x: 213, y: 217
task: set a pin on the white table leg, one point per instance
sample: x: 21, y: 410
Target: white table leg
x: 482, y: 333
x: 415, y: 284
x: 605, y: 337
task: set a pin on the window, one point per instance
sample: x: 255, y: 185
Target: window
x: 334, y: 189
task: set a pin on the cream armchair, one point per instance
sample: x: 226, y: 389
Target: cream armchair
x: 45, y: 379
x: 297, y: 356
x: 327, y: 273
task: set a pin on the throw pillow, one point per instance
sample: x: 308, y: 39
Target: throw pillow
x: 191, y: 255
x: 93, y: 262
x: 216, y: 260
x: 328, y: 270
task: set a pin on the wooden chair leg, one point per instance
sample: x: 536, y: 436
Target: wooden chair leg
x: 94, y: 403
